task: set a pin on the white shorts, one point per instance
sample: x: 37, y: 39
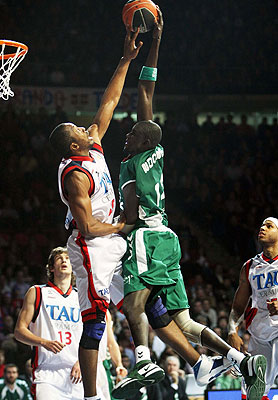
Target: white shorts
x: 270, y: 351
x: 56, y: 385
x: 102, y: 382
x: 96, y: 263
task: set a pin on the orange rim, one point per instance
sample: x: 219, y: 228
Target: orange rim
x: 14, y: 44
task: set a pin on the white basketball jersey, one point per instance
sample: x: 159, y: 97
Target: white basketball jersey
x: 57, y: 317
x: 262, y: 275
x: 101, y: 189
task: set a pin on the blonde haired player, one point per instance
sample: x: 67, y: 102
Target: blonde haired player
x: 50, y: 322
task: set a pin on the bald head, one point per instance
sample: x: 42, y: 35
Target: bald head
x: 151, y: 131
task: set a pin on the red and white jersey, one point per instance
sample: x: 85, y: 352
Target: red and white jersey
x: 56, y: 317
x: 101, y: 189
x: 262, y: 273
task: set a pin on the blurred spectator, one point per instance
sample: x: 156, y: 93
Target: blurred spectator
x: 210, y: 313
x: 198, y: 314
x: 20, y: 287
x: 27, y: 376
x: 173, y: 385
x: 232, y: 178
x: 126, y: 360
x: 227, y: 381
x: 223, y: 325
x: 208, y: 126
x: 11, y: 387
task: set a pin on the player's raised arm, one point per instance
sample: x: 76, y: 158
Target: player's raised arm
x: 148, y: 75
x: 22, y: 332
x: 114, y: 89
x: 239, y: 305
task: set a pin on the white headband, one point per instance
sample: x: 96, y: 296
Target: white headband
x: 272, y: 219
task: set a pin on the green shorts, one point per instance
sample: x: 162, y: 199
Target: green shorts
x: 174, y: 297
x: 153, y: 255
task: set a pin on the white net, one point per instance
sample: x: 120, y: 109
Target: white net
x: 7, y: 66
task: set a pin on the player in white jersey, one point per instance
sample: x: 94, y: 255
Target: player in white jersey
x: 256, y: 301
x: 50, y: 322
x: 85, y: 186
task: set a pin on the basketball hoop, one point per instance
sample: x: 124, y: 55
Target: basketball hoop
x: 8, y: 63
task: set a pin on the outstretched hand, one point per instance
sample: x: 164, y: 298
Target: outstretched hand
x: 158, y: 27
x: 131, y: 49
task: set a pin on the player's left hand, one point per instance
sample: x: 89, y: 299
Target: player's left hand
x: 75, y: 374
x: 272, y: 307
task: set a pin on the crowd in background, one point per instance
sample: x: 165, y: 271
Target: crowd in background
x: 216, y: 46
x: 220, y: 177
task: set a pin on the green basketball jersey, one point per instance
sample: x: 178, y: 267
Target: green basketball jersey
x: 20, y: 392
x: 146, y: 169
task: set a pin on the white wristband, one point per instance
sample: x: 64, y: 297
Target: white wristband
x: 233, y: 325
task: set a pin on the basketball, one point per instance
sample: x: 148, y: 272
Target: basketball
x: 139, y: 14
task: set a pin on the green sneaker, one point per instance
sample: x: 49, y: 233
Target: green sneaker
x: 253, y: 371
x: 144, y: 373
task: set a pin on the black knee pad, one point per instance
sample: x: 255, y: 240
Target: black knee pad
x: 92, y: 334
x: 157, y: 314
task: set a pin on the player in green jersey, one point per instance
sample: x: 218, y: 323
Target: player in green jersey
x: 151, y: 268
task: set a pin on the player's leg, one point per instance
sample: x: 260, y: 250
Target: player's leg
x: 94, y: 267
x: 134, y: 310
x: 199, y: 333
x: 252, y: 368
x: 52, y: 383
x: 205, y: 368
x: 144, y: 272
x: 92, y: 314
x: 45, y: 391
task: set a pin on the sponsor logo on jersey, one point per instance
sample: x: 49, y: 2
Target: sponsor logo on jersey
x: 105, y: 181
x: 58, y: 313
x: 265, y: 281
x: 150, y: 161
x: 104, y: 291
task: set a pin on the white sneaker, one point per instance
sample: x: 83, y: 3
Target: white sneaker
x: 208, y: 368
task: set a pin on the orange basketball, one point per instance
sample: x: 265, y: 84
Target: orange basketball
x: 139, y: 14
